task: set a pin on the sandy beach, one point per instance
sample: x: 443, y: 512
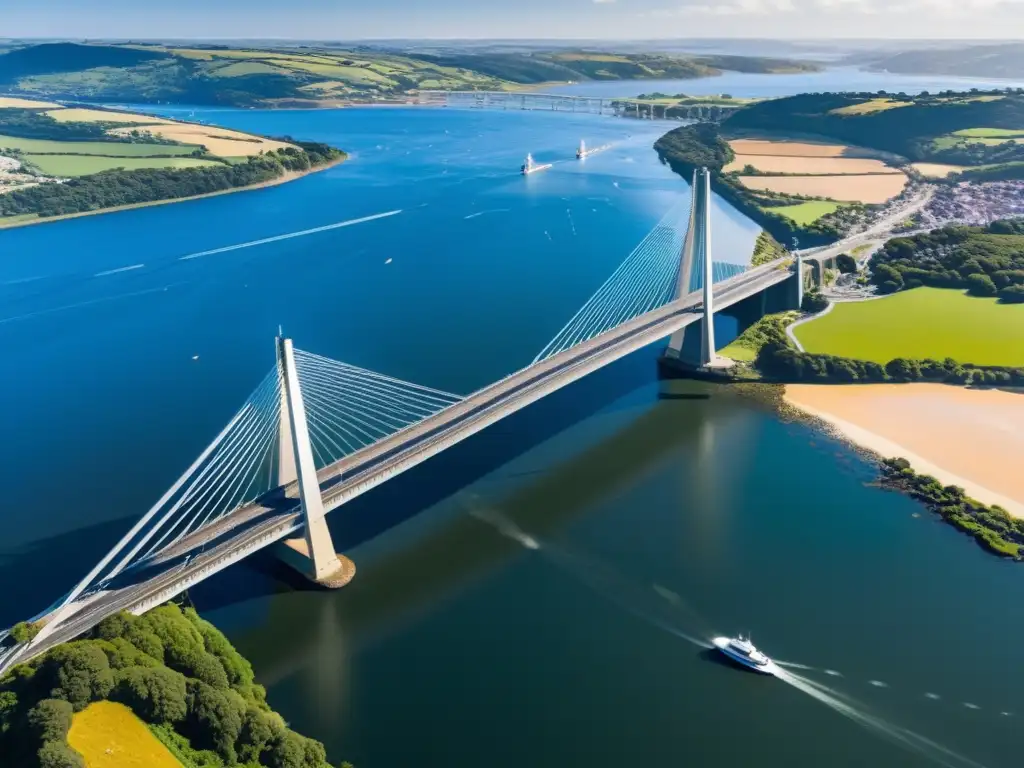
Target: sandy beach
x: 973, y: 438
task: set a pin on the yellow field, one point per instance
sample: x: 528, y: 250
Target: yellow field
x: 875, y: 188
x: 809, y: 165
x: 936, y: 170
x: 100, y: 116
x: 218, y: 141
x: 9, y: 102
x: 867, y: 107
x: 109, y: 735
x: 787, y: 148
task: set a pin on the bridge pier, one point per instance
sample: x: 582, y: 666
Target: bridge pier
x: 696, y: 254
x: 312, y: 555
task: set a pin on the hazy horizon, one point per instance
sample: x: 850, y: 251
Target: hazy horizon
x: 793, y: 20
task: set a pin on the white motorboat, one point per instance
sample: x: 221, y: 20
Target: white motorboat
x: 743, y: 652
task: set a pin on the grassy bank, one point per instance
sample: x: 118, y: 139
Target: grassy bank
x: 24, y: 220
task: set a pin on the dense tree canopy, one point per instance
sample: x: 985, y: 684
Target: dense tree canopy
x: 119, y: 187
x: 988, y: 261
x: 205, y: 699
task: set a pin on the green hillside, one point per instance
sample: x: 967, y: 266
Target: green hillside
x: 307, y: 76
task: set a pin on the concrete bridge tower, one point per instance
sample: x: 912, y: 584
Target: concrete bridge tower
x: 696, y: 254
x: 313, y: 555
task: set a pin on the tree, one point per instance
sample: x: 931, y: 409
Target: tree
x: 214, y: 719
x: 114, y: 626
x: 288, y: 751
x: 24, y: 631
x: 50, y: 720
x: 846, y: 263
x: 257, y: 732
x: 156, y: 695
x: 58, y: 754
x: 1012, y: 294
x: 813, y: 302
x: 80, y: 673
x: 979, y: 284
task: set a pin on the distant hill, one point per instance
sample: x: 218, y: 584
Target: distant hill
x: 974, y: 128
x: 1004, y: 60
x: 312, y: 76
x: 69, y: 57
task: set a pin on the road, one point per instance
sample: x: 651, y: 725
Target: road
x: 277, y: 515
x: 881, y: 230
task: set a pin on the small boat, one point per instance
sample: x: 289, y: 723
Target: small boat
x: 531, y: 167
x: 743, y: 652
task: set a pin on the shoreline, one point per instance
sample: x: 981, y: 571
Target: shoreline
x: 284, y: 178
x: 870, y: 442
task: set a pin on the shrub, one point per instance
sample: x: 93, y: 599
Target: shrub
x: 50, y: 720
x: 1012, y: 294
x: 814, y: 302
x: 24, y: 631
x: 979, y: 284
x: 846, y: 263
x: 58, y: 754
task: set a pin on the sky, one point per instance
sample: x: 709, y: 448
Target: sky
x: 611, y: 19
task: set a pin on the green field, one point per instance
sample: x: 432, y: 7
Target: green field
x: 921, y: 323
x: 83, y: 165
x: 990, y: 133
x: 806, y: 213
x: 105, y: 148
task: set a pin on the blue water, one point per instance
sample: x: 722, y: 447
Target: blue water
x: 485, y: 267
x: 663, y: 513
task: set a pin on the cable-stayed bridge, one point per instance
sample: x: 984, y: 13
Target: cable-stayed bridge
x: 316, y: 433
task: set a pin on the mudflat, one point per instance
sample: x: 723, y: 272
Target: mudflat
x: 973, y: 438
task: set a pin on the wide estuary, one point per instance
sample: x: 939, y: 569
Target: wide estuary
x: 545, y: 592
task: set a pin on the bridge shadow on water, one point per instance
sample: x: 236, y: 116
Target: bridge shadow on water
x: 28, y: 589
x: 445, y: 475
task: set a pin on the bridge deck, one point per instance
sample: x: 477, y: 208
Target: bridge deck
x: 277, y: 515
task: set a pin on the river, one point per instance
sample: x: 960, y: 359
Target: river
x: 544, y: 592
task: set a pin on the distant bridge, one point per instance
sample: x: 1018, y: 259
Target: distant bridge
x: 316, y: 433
x: 552, y: 102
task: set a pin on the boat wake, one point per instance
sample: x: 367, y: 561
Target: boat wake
x: 606, y: 582
x: 859, y: 714
x: 290, y: 235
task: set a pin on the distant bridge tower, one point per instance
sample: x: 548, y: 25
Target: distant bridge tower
x: 313, y: 555
x: 696, y: 255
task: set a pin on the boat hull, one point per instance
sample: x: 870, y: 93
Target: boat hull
x: 722, y: 643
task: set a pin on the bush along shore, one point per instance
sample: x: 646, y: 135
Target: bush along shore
x: 992, y: 527
x: 175, y: 671
x: 112, y: 189
x: 776, y: 361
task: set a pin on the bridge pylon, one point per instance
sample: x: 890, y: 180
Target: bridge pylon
x: 313, y: 555
x: 696, y: 255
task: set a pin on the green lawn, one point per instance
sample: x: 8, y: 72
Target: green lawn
x: 921, y: 323
x: 83, y: 165
x: 990, y: 133
x: 806, y: 213
x: 107, y: 148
